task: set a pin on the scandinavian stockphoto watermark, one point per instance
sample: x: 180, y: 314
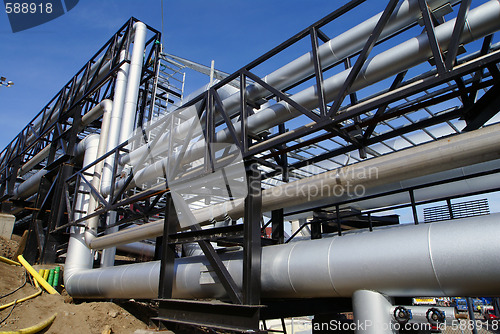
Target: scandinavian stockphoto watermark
x: 342, y: 183
x: 26, y: 14
x: 172, y: 152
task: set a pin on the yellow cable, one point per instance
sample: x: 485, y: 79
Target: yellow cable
x: 37, y: 276
x: 36, y: 283
x: 9, y: 261
x: 33, y: 329
x: 17, y: 301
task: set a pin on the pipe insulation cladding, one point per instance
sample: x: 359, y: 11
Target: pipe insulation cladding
x: 442, y: 155
x: 346, y: 44
x: 404, y: 260
x: 30, y: 186
x: 481, y: 21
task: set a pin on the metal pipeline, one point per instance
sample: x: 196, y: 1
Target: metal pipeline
x: 386, y: 171
x: 88, y: 118
x: 126, y: 93
x: 338, y: 48
x: 92, y: 224
x: 79, y: 256
x: 404, y: 260
x: 139, y: 248
x: 134, y: 78
x: 104, y: 70
x: 480, y: 22
x: 30, y: 185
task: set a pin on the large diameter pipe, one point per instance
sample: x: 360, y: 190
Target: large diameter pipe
x: 404, y: 260
x: 79, y: 257
x: 480, y: 22
x: 92, y: 223
x: 371, y: 311
x: 134, y: 78
x: 116, y: 118
x: 126, y: 93
x: 448, y: 153
x: 338, y: 48
x: 30, y: 186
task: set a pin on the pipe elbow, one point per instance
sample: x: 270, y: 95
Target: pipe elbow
x: 90, y: 235
x: 106, y: 105
x: 139, y: 26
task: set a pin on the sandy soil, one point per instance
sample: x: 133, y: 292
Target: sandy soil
x: 80, y: 317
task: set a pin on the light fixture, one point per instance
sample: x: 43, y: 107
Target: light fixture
x: 4, y: 82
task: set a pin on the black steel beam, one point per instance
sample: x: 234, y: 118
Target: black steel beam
x: 212, y: 234
x: 167, y: 270
x: 457, y: 34
x: 484, y: 109
x: 370, y: 43
x: 213, y: 314
x: 278, y: 229
x: 318, y: 72
x: 429, y: 28
x: 220, y: 269
x: 252, y: 243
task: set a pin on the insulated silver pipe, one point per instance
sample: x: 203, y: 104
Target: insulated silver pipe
x: 128, y: 83
x: 88, y: 118
x: 79, y: 257
x: 134, y: 78
x: 139, y: 248
x: 449, y: 153
x: 30, y: 185
x: 338, y: 48
x: 116, y: 118
x: 93, y: 223
x: 480, y: 22
x: 404, y: 260
x: 372, y: 313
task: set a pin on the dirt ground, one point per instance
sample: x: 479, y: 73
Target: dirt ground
x: 72, y: 317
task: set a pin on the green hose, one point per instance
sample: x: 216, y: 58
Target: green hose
x: 51, y: 277
x: 55, y: 283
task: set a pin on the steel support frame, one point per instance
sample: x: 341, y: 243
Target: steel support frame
x: 69, y: 103
x: 212, y: 105
x: 252, y: 145
x: 243, y: 311
x: 412, y: 203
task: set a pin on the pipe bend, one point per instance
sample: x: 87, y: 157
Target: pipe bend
x: 89, y: 235
x: 106, y: 105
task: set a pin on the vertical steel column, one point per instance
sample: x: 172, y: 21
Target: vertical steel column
x: 168, y: 251
x: 252, y: 244
x: 450, y: 208
x: 278, y: 230
x: 36, y: 237
x: 315, y: 229
x: 57, y: 209
x: 413, y: 207
x: 470, y: 309
x: 372, y: 312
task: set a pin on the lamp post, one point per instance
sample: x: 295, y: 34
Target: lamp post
x: 4, y: 82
